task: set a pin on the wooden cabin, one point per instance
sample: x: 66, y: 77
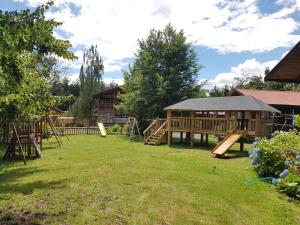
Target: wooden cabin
x: 288, y: 68
x: 106, y: 111
x: 287, y: 102
x: 210, y: 116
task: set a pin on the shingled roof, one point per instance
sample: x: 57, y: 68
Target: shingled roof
x: 231, y: 103
x: 271, y: 97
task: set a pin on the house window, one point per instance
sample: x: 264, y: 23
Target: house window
x: 106, y: 117
x: 106, y: 103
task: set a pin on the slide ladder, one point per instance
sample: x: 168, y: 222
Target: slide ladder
x: 228, y: 141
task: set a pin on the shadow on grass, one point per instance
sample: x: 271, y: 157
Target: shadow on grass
x: 197, y: 146
x: 10, y: 181
x: 236, y: 154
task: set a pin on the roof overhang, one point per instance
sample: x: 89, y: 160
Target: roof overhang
x: 222, y: 104
x: 288, y: 69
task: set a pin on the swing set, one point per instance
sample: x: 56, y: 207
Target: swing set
x: 25, y: 140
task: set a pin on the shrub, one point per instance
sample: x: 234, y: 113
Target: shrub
x: 297, y: 121
x: 290, y: 185
x: 279, y: 158
x: 115, y: 129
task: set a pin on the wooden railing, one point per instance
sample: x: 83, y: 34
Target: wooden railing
x: 210, y: 125
x: 154, y: 126
x: 77, y: 130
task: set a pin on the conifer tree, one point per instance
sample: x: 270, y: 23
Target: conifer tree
x: 90, y: 78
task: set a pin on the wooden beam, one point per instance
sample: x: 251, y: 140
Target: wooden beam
x: 181, y: 137
x: 192, y: 129
x: 258, y: 128
x: 242, y: 128
x: 169, y: 115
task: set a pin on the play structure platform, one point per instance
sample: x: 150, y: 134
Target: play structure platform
x: 228, y: 141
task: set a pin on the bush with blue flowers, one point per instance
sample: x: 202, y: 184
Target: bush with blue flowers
x: 279, y: 158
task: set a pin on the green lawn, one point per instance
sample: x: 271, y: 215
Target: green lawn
x: 94, y: 180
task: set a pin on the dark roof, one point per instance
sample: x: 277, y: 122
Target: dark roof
x: 55, y: 109
x: 272, y: 97
x: 288, y: 68
x: 114, y: 89
x: 231, y: 103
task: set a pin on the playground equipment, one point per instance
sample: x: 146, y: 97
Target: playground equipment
x: 25, y: 140
x: 201, y: 117
x: 49, y: 121
x: 228, y: 141
x: 102, y: 129
x: 132, y: 128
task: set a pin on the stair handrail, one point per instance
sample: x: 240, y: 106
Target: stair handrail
x: 147, y: 132
x: 153, y: 122
x: 161, y: 127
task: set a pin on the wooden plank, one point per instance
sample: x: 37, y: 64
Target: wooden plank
x: 229, y: 140
x: 169, y: 115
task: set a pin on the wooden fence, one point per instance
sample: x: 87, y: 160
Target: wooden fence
x: 77, y: 130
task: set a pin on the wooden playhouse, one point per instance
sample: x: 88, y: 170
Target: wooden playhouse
x: 231, y: 117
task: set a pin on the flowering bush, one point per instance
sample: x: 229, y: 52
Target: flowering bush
x: 279, y: 158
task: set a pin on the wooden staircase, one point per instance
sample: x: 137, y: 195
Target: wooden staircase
x: 154, y: 134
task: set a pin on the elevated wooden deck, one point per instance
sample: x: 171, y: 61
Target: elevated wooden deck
x: 197, y: 125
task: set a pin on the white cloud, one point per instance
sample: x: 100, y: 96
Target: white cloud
x: 109, y: 80
x: 251, y: 67
x: 228, y: 26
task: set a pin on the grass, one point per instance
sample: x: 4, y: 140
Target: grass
x: 93, y: 180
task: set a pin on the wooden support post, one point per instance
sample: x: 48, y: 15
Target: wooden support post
x: 192, y: 129
x: 242, y: 128
x: 206, y: 139
x: 227, y: 127
x: 258, y: 129
x: 201, y: 141
x: 181, y: 137
x: 169, y: 115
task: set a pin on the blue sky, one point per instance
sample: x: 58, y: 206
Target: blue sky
x: 230, y: 37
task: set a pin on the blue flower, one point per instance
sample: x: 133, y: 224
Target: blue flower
x: 298, y: 157
x: 251, y: 155
x: 274, y: 181
x: 255, y: 160
x: 256, y: 150
x: 254, y: 143
x: 284, y: 173
x: 286, y: 163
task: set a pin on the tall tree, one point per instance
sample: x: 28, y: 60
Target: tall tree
x: 220, y: 91
x: 250, y: 81
x: 67, y: 90
x: 26, y: 38
x: 90, y: 78
x: 164, y: 72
